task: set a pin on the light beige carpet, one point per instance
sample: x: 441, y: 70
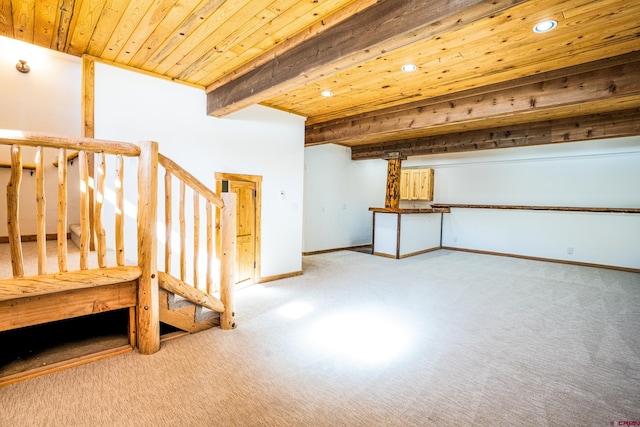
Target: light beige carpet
x: 445, y: 338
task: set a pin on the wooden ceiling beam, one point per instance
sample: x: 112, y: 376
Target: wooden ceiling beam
x: 595, y: 126
x: 609, y: 80
x: 384, y: 26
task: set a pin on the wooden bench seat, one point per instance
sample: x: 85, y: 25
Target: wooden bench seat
x: 35, y: 300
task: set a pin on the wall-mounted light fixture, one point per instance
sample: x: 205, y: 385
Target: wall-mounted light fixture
x: 22, y: 66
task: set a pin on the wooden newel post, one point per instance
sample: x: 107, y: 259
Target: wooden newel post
x: 228, y: 260
x: 392, y: 197
x: 148, y: 310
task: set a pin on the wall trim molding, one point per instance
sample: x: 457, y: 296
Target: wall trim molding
x: 437, y: 248
x: 559, y: 261
x: 346, y: 248
x: 279, y: 276
x: 32, y: 237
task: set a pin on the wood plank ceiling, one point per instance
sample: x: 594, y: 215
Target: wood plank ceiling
x: 483, y: 76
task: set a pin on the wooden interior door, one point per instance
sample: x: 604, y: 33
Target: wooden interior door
x: 248, y: 190
x: 245, y: 229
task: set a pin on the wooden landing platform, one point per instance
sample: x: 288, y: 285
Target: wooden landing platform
x: 60, y: 320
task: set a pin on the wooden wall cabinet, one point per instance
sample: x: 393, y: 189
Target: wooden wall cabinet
x: 416, y: 184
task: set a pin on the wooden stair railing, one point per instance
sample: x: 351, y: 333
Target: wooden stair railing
x: 227, y: 207
x: 17, y: 140
x: 146, y: 311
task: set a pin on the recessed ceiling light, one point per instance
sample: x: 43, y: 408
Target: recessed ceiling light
x: 407, y: 68
x: 544, y: 26
x: 326, y: 93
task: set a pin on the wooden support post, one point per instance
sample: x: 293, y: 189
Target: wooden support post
x: 62, y: 210
x: 13, y: 209
x: 228, y: 260
x: 392, y: 197
x: 40, y: 212
x: 148, y: 309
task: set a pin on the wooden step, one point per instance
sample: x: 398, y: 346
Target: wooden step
x: 183, y: 314
x: 74, y: 234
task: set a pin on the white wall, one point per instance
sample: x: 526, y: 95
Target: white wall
x: 257, y: 141
x: 595, y: 238
x: 602, y: 173
x: 338, y: 193
x: 45, y: 100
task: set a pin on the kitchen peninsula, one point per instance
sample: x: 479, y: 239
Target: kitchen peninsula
x: 400, y: 233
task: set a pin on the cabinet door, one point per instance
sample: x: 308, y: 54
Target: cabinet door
x: 424, y: 187
x: 405, y: 184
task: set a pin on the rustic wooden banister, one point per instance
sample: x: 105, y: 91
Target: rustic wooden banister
x: 99, y: 203
x: 13, y: 205
x: 41, y: 231
x: 35, y: 139
x: 62, y: 210
x: 83, y: 171
x: 142, y: 278
x: 181, y: 288
x: 183, y: 232
x: 119, y: 210
x: 190, y: 180
x: 227, y: 242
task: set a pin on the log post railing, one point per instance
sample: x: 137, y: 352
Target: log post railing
x: 147, y: 311
x: 16, y: 140
x: 13, y: 208
x: 201, y: 193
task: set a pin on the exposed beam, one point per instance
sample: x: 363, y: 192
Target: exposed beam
x: 290, y: 43
x: 583, y: 128
x: 608, y: 82
x: 386, y: 25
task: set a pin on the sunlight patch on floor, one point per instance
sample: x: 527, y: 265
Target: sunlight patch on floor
x: 364, y: 336
x: 295, y: 310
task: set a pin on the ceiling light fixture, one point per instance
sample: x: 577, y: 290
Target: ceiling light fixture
x: 545, y: 26
x: 407, y: 68
x: 326, y: 93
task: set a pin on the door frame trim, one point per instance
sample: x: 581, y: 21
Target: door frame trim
x: 257, y: 179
